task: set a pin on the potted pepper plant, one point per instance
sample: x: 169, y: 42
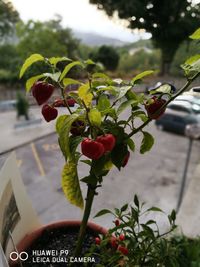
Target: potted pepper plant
x: 135, y: 238
x: 92, y: 131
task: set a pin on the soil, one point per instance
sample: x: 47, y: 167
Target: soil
x: 58, y: 240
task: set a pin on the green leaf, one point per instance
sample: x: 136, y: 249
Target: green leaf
x: 131, y: 95
x: 55, y: 60
x: 103, y: 103
x: 98, y: 166
x: 29, y: 61
x: 89, y: 62
x: 142, y: 75
x: 131, y: 144
x: 155, y: 209
x: 165, y: 89
x: 126, y: 104
x: 54, y: 76
x: 63, y: 126
x: 68, y: 68
x: 71, y: 185
x: 195, y: 35
x: 95, y: 117
x: 192, y: 65
x: 100, y: 75
x: 117, y: 81
x: 60, y: 122
x: 150, y: 222
x: 124, y: 208
x: 102, y: 212
x: 32, y: 80
x: 140, y: 114
x: 74, y: 141
x: 87, y: 161
x: 148, y: 230
x: 111, y: 112
x: 122, y: 91
x: 90, y: 180
x: 118, y: 154
x: 173, y: 215
x: 143, y: 117
x: 136, y: 201
x: 68, y: 81
x: 111, y: 89
x: 147, y: 142
x: 192, y: 59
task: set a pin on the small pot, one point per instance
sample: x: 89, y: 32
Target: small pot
x: 29, y: 239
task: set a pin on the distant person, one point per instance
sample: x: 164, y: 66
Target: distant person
x: 22, y: 106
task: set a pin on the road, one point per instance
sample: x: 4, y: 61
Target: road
x: 155, y: 177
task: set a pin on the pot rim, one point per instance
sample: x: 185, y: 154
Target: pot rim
x: 29, y: 238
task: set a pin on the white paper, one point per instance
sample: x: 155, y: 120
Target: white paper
x: 16, y: 212
x: 3, y: 261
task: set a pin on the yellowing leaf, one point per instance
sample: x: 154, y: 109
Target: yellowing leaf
x: 192, y: 59
x: 83, y: 90
x: 195, y: 35
x: 70, y: 184
x: 87, y: 99
x: 95, y: 117
x: 84, y: 94
x: 29, y: 61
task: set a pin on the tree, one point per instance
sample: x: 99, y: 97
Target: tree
x: 8, y: 18
x: 48, y: 38
x: 107, y: 56
x: 9, y: 64
x: 169, y: 21
x: 139, y: 61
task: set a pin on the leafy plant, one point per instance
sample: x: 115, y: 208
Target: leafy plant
x: 135, y: 240
x: 92, y: 131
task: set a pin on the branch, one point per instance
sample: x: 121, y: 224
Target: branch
x: 187, y: 84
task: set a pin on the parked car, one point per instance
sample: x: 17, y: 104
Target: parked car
x: 194, y: 91
x: 178, y: 115
x: 7, y: 105
x: 188, y: 98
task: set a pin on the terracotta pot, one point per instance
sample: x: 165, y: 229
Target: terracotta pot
x: 28, y: 240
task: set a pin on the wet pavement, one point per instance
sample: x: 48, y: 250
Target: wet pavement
x: 155, y: 177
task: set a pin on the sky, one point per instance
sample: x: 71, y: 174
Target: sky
x: 77, y: 14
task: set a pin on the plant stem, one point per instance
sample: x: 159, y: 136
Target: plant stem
x: 187, y: 84
x: 82, y: 231
x: 64, y: 99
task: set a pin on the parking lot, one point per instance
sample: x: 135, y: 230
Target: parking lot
x: 155, y: 176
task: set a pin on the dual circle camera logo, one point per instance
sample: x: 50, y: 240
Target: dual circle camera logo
x: 14, y: 256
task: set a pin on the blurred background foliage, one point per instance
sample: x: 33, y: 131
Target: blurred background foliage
x: 19, y: 39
